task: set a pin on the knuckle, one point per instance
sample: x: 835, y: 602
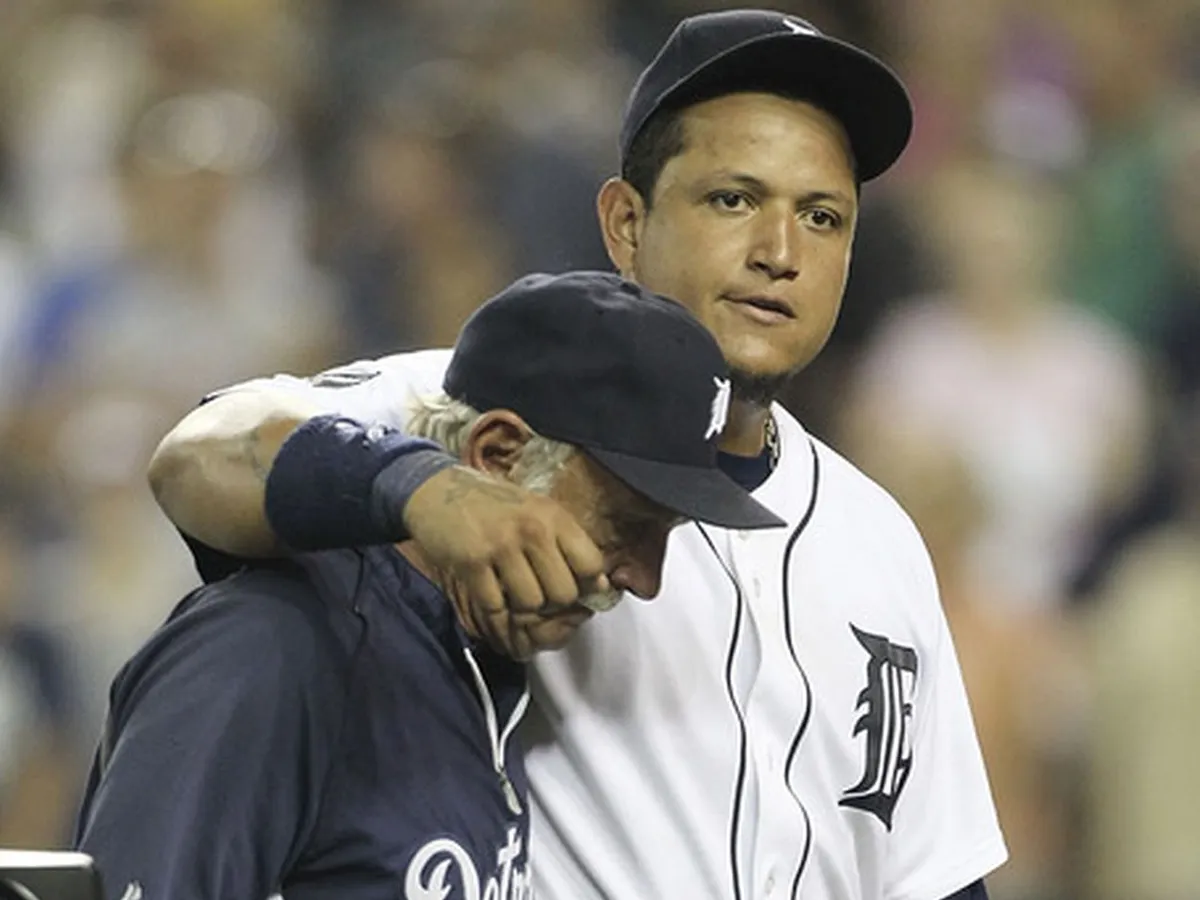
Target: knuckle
x: 471, y: 555
x: 524, y: 600
x: 532, y: 529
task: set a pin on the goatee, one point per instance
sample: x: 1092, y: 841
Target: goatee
x: 757, y: 390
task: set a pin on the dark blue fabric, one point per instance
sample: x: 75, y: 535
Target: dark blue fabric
x: 748, y: 471
x: 975, y: 891
x: 212, y: 564
x: 319, y: 491
x: 308, y: 728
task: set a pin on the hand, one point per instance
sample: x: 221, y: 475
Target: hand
x: 513, y: 562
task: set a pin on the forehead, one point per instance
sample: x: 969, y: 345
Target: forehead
x: 768, y: 130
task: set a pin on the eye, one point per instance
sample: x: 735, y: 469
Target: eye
x: 823, y: 219
x: 728, y: 201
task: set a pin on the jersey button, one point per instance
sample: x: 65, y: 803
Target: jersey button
x: 769, y: 884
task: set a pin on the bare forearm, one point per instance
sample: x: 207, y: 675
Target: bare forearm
x: 209, y: 473
x: 256, y: 473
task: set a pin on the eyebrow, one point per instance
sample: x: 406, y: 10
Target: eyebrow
x: 760, y: 187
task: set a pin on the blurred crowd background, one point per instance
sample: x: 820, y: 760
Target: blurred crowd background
x: 196, y: 191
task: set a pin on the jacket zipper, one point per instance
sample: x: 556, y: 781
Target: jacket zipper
x: 496, y: 738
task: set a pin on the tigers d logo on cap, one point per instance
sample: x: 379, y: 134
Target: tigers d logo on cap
x: 625, y: 375
x: 720, y: 407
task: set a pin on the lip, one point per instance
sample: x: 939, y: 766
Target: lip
x: 762, y: 309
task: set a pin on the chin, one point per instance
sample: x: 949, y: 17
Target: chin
x: 766, y: 366
x: 759, y: 382
x: 755, y: 355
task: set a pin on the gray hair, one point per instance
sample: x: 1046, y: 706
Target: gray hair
x: 448, y: 422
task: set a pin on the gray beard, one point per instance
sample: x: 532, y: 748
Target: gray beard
x: 757, y: 390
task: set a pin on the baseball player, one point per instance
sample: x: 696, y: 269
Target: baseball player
x: 332, y: 729
x: 790, y: 720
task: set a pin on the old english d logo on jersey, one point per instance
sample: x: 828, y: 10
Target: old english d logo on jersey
x: 886, y: 703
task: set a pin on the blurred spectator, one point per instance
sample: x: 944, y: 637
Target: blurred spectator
x: 554, y: 90
x: 1022, y: 668
x: 413, y: 249
x: 948, y: 52
x: 1144, y: 783
x: 207, y: 282
x: 15, y: 301
x: 40, y: 763
x: 1176, y: 339
x: 1179, y: 334
x: 1046, y: 406
x: 1119, y: 258
x: 110, y: 572
x: 76, y: 81
x: 257, y: 44
x: 211, y: 282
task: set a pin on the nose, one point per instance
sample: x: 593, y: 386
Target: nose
x: 639, y: 568
x: 776, y: 249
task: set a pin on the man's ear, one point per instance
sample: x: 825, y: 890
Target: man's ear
x: 495, y: 442
x: 622, y: 213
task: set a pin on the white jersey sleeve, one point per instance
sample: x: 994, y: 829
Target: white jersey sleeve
x: 945, y: 831
x: 372, y: 391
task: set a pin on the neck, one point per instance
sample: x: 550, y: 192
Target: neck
x: 745, y: 429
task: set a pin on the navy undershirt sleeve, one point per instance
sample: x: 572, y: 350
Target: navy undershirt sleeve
x: 221, y: 729
x: 748, y: 471
x: 974, y: 891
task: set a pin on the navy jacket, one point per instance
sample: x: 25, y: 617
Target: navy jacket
x: 324, y: 731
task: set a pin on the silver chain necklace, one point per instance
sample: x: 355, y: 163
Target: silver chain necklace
x: 771, y: 437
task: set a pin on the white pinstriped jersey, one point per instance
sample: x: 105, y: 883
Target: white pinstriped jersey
x: 787, y: 719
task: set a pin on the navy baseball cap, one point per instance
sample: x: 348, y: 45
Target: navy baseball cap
x: 627, y: 376
x: 721, y: 53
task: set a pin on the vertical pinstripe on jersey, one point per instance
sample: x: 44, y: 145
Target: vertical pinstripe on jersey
x: 791, y: 642
x: 741, y: 771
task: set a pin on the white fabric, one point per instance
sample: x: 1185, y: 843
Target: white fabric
x: 699, y: 746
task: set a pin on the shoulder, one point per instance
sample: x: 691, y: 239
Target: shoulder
x: 849, y: 483
x: 371, y: 390
x: 277, y: 598
x: 420, y: 370
x: 260, y: 629
x: 871, y: 507
x: 845, y: 493
x: 854, y: 518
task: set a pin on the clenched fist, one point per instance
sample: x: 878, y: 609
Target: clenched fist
x: 515, y: 563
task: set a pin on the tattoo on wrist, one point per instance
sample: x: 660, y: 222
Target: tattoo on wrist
x: 465, y: 483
